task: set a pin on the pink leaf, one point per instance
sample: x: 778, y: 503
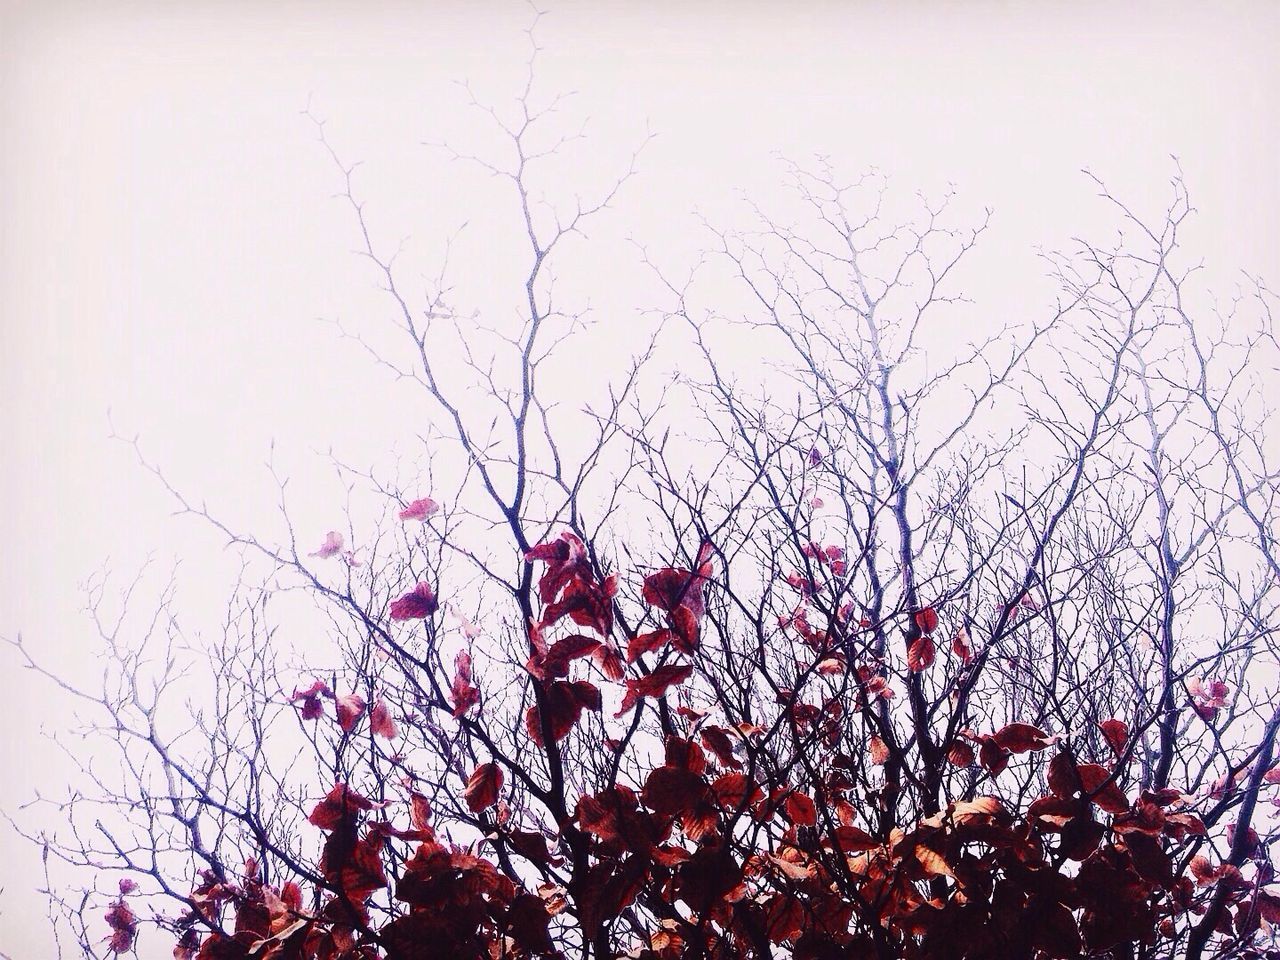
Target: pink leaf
x: 420, y: 509
x: 331, y: 547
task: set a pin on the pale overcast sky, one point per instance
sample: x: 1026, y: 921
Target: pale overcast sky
x: 171, y: 248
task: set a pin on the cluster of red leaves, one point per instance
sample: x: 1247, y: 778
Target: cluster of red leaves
x: 457, y: 904
x: 1207, y: 698
x: 1082, y: 869
x: 921, y: 651
x: 568, y: 588
x: 122, y: 921
x: 679, y: 593
x: 975, y: 880
x: 348, y: 708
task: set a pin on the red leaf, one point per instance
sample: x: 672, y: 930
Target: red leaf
x: 800, y: 810
x: 960, y: 754
x: 419, y: 509
x: 418, y: 604
x: 921, y: 653
x: 879, y: 751
x: 784, y: 918
x: 531, y: 845
x: 927, y: 620
x: 654, y: 684
x: 673, y: 791
x: 1110, y: 798
x: 735, y: 790
x: 1269, y: 907
x: 992, y: 756
x: 610, y: 661
x: 527, y: 921
x: 960, y: 646
x: 1022, y: 738
x: 854, y: 839
x: 419, y: 811
x: 565, y: 702
x: 717, y: 741
x: 482, y: 789
x: 341, y: 804
x: 1116, y: 733
x: 587, y: 603
x: 685, y: 754
x: 350, y: 710
x: 647, y: 643
x: 187, y: 945
x: 463, y: 692
x: 684, y: 629
x: 380, y: 721
x: 354, y: 866
x: 566, y: 559
x: 670, y: 587
x: 555, y: 662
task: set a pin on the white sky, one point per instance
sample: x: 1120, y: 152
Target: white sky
x: 170, y: 244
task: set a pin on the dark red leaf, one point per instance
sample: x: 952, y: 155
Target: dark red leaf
x: 800, y: 810
x: 463, y: 692
x: 1022, y: 738
x: 418, y: 604
x: 124, y: 926
x: 482, y: 788
x: 527, y: 921
x: 992, y: 756
x: 312, y: 705
x: 673, y: 791
x: 647, y: 643
x: 1109, y: 797
x: 1116, y: 733
x: 735, y: 790
x: 340, y: 805
x: 654, y: 684
x: 565, y: 702
x: 555, y: 662
x: 960, y: 754
x: 878, y: 750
